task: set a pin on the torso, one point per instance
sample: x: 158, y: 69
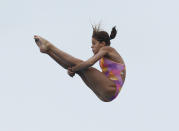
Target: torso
x: 113, y: 55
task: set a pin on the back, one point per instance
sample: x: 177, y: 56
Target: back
x: 113, y: 55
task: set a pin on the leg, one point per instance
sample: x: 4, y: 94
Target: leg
x: 103, y: 87
x: 58, y: 60
x: 83, y: 77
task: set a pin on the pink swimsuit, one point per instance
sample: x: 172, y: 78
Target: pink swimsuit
x: 113, y: 71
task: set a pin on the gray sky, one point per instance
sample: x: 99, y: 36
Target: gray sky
x: 37, y: 94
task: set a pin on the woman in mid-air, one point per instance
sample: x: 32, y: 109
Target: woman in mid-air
x: 106, y: 84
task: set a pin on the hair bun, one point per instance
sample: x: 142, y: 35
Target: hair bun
x: 113, y: 33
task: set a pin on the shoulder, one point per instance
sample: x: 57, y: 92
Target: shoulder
x: 111, y: 53
x: 107, y: 48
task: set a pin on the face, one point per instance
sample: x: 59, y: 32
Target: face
x: 96, y: 45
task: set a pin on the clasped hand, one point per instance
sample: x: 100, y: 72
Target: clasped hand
x: 70, y: 72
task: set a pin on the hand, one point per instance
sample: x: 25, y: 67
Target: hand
x: 70, y: 72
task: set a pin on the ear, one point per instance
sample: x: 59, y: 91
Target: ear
x: 103, y: 43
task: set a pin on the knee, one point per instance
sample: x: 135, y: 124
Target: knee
x: 108, y: 94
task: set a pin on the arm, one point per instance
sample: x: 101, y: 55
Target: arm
x: 91, y: 61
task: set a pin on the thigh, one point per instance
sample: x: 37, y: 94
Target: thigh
x: 103, y: 85
x: 91, y: 86
x: 96, y: 80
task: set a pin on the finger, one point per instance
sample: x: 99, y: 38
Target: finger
x: 70, y: 70
x: 71, y: 76
x: 70, y: 73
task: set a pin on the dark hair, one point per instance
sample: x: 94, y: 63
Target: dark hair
x: 103, y: 35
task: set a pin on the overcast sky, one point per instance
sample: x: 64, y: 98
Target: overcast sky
x: 36, y: 94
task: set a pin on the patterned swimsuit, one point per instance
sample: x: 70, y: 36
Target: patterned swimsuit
x: 113, y: 71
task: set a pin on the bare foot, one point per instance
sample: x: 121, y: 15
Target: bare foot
x: 42, y: 44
